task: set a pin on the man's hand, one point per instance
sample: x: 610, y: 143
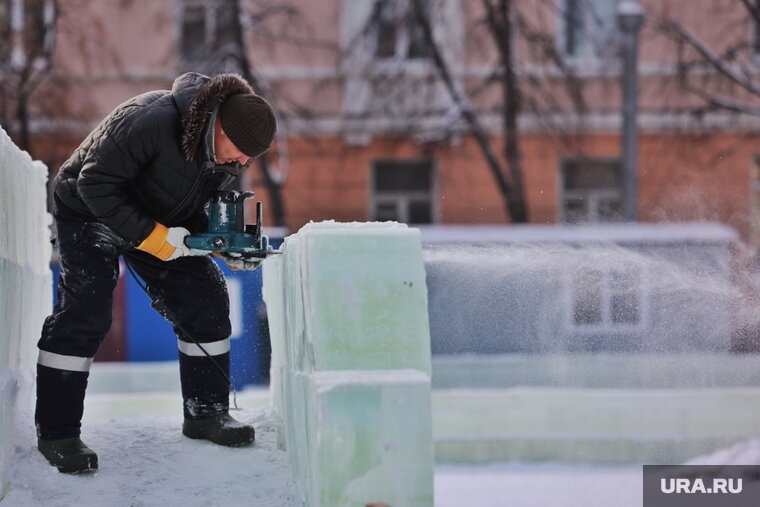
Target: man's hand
x: 239, y: 263
x: 166, y: 243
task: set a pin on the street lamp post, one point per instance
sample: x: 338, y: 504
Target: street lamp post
x: 630, y: 17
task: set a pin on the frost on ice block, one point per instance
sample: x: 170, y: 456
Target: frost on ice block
x: 365, y: 298
x: 370, y: 438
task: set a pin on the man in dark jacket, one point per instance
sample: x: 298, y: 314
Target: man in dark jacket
x: 135, y: 187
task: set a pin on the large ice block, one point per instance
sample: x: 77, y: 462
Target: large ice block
x: 369, y: 433
x: 350, y: 378
x: 25, y: 289
x: 365, y: 298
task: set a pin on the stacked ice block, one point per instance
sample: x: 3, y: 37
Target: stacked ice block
x: 25, y: 288
x: 350, y: 378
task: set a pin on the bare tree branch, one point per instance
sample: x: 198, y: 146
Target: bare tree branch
x: 462, y: 104
x: 499, y: 17
x: 722, y: 102
x: 682, y: 34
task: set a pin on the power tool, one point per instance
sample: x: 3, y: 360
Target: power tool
x: 227, y: 231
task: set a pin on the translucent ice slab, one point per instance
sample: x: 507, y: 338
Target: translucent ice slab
x: 364, y: 299
x: 347, y: 307
x: 369, y: 433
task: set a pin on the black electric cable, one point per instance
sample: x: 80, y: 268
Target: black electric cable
x: 161, y: 307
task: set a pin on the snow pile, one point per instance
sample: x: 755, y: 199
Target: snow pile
x: 743, y: 453
x: 347, y: 307
x: 25, y: 280
x: 145, y: 460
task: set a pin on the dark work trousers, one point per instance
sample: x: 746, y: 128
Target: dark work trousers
x: 190, y: 291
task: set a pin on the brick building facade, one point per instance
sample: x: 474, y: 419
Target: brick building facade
x: 368, y: 130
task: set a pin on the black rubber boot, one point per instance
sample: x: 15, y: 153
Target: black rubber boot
x: 70, y: 455
x: 220, y: 429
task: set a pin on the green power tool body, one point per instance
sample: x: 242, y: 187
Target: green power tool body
x: 227, y: 231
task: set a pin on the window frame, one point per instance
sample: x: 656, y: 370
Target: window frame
x: 403, y: 198
x: 210, y: 42
x: 368, y: 89
x: 608, y: 325
x: 597, y: 195
x: 403, y: 36
x: 588, y: 57
x: 18, y: 54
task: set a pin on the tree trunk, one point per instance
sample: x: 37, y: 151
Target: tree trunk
x: 511, y: 186
x: 274, y: 188
x: 500, y: 21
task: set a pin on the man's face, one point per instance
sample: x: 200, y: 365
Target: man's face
x: 224, y: 150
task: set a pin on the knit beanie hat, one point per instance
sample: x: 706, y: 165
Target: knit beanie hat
x: 248, y: 120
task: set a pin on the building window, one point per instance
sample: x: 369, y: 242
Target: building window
x: 591, y: 190
x: 607, y: 299
x: 34, y: 27
x: 389, y: 75
x: 402, y: 191
x: 205, y: 29
x: 399, y: 35
x: 587, y: 30
x: 26, y: 30
x: 6, y: 37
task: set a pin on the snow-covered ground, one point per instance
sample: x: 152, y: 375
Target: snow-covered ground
x: 133, y: 422
x: 145, y: 461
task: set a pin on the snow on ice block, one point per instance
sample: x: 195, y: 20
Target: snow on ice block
x: 365, y: 297
x: 370, y: 438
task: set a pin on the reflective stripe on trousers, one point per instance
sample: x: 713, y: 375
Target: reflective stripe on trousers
x: 62, y: 362
x: 216, y: 348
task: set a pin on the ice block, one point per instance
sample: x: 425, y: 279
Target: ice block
x: 369, y: 433
x: 365, y: 298
x: 350, y: 377
x: 25, y: 289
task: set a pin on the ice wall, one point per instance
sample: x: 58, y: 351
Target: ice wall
x: 25, y: 288
x: 350, y: 376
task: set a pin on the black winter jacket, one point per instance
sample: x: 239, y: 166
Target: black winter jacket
x: 148, y: 161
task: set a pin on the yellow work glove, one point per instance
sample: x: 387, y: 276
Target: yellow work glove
x: 166, y: 243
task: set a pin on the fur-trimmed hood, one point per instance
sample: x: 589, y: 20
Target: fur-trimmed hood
x: 196, y: 96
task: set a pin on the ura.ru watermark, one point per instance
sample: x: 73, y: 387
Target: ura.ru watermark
x: 701, y: 486
x: 716, y: 485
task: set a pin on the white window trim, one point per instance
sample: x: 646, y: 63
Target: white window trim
x: 404, y: 196
x: 607, y: 326
x: 360, y: 64
x: 597, y: 194
x: 402, y: 43
x: 18, y: 58
x: 209, y: 7
x: 586, y: 61
x: 593, y: 197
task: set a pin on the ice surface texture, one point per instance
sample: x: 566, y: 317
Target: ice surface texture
x: 347, y: 308
x: 25, y: 288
